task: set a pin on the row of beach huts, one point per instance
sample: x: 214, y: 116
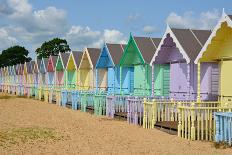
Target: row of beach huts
x: 181, y: 81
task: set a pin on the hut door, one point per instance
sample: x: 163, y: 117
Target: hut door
x: 102, y: 78
x: 166, y: 80
x: 110, y: 80
x: 128, y: 79
x: 139, y: 80
x: 226, y: 84
x: 131, y: 76
x: 214, y: 81
x: 162, y: 79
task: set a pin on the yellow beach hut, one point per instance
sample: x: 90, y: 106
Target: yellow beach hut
x: 218, y: 49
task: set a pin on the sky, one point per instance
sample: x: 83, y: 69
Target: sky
x: 90, y: 23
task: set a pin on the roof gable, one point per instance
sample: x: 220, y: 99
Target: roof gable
x: 131, y: 54
x: 94, y: 54
x: 73, y: 60
x: 77, y: 57
x: 225, y: 23
x: 188, y: 41
x: 116, y: 51
x: 64, y: 58
x: 146, y: 47
x: 51, y: 63
x: 104, y: 59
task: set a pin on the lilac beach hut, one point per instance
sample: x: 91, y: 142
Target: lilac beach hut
x: 173, y: 65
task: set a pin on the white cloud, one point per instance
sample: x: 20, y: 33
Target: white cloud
x: 133, y: 17
x: 31, y: 28
x: 80, y: 37
x: 206, y: 20
x: 6, y: 39
x: 149, y: 29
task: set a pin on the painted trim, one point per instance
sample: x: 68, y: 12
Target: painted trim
x: 224, y: 18
x: 108, y: 53
x: 125, y: 51
x: 178, y: 45
x: 71, y: 54
x: 88, y: 57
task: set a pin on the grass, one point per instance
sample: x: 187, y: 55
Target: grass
x: 221, y: 145
x: 27, y: 135
x: 10, y: 97
x: 5, y: 97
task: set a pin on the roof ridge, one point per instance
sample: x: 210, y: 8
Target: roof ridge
x: 196, y: 37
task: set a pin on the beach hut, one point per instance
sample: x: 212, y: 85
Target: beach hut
x: 218, y: 50
x: 36, y: 77
x: 43, y: 79
x: 107, y: 68
x: 17, y: 67
x: 51, y: 70
x: 31, y: 79
x: 21, y: 78
x: 61, y: 64
x: 87, y: 68
x: 72, y: 69
x: 71, y: 91
x: 14, y: 79
x: 135, y: 65
x: 60, y: 76
x: 9, y: 68
x: 51, y: 76
x: 27, y: 73
x: 175, y: 74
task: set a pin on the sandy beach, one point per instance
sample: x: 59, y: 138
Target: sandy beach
x: 28, y: 126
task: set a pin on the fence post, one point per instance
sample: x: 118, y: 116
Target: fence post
x: 217, y: 136
x: 172, y: 109
x: 179, y: 119
x: 154, y: 113
x: 193, y: 130
x: 144, y: 113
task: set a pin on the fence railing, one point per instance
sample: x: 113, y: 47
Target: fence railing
x: 223, y: 127
x: 198, y: 122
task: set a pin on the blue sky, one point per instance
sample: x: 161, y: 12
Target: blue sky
x: 90, y: 23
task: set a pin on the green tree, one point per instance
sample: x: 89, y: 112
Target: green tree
x: 52, y: 47
x: 14, y: 55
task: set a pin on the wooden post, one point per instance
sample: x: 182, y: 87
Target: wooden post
x: 172, y: 109
x: 120, y: 80
x: 188, y: 81
x: 154, y: 113
x: 193, y: 130
x: 152, y: 81
x: 199, y: 82
x: 144, y: 113
x: 179, y: 119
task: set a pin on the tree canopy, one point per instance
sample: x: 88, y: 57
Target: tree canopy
x: 14, y: 55
x: 52, y: 47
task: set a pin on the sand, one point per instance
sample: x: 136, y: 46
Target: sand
x: 83, y: 133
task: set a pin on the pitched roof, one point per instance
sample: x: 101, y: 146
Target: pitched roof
x: 64, y: 58
x: 28, y: 65
x: 54, y: 58
x: 37, y: 66
x: 94, y: 53
x: 202, y: 35
x: 146, y: 47
x: 189, y: 40
x: 230, y: 16
x: 116, y: 51
x: 32, y: 66
x: 77, y: 55
x: 45, y: 60
x: 156, y: 41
